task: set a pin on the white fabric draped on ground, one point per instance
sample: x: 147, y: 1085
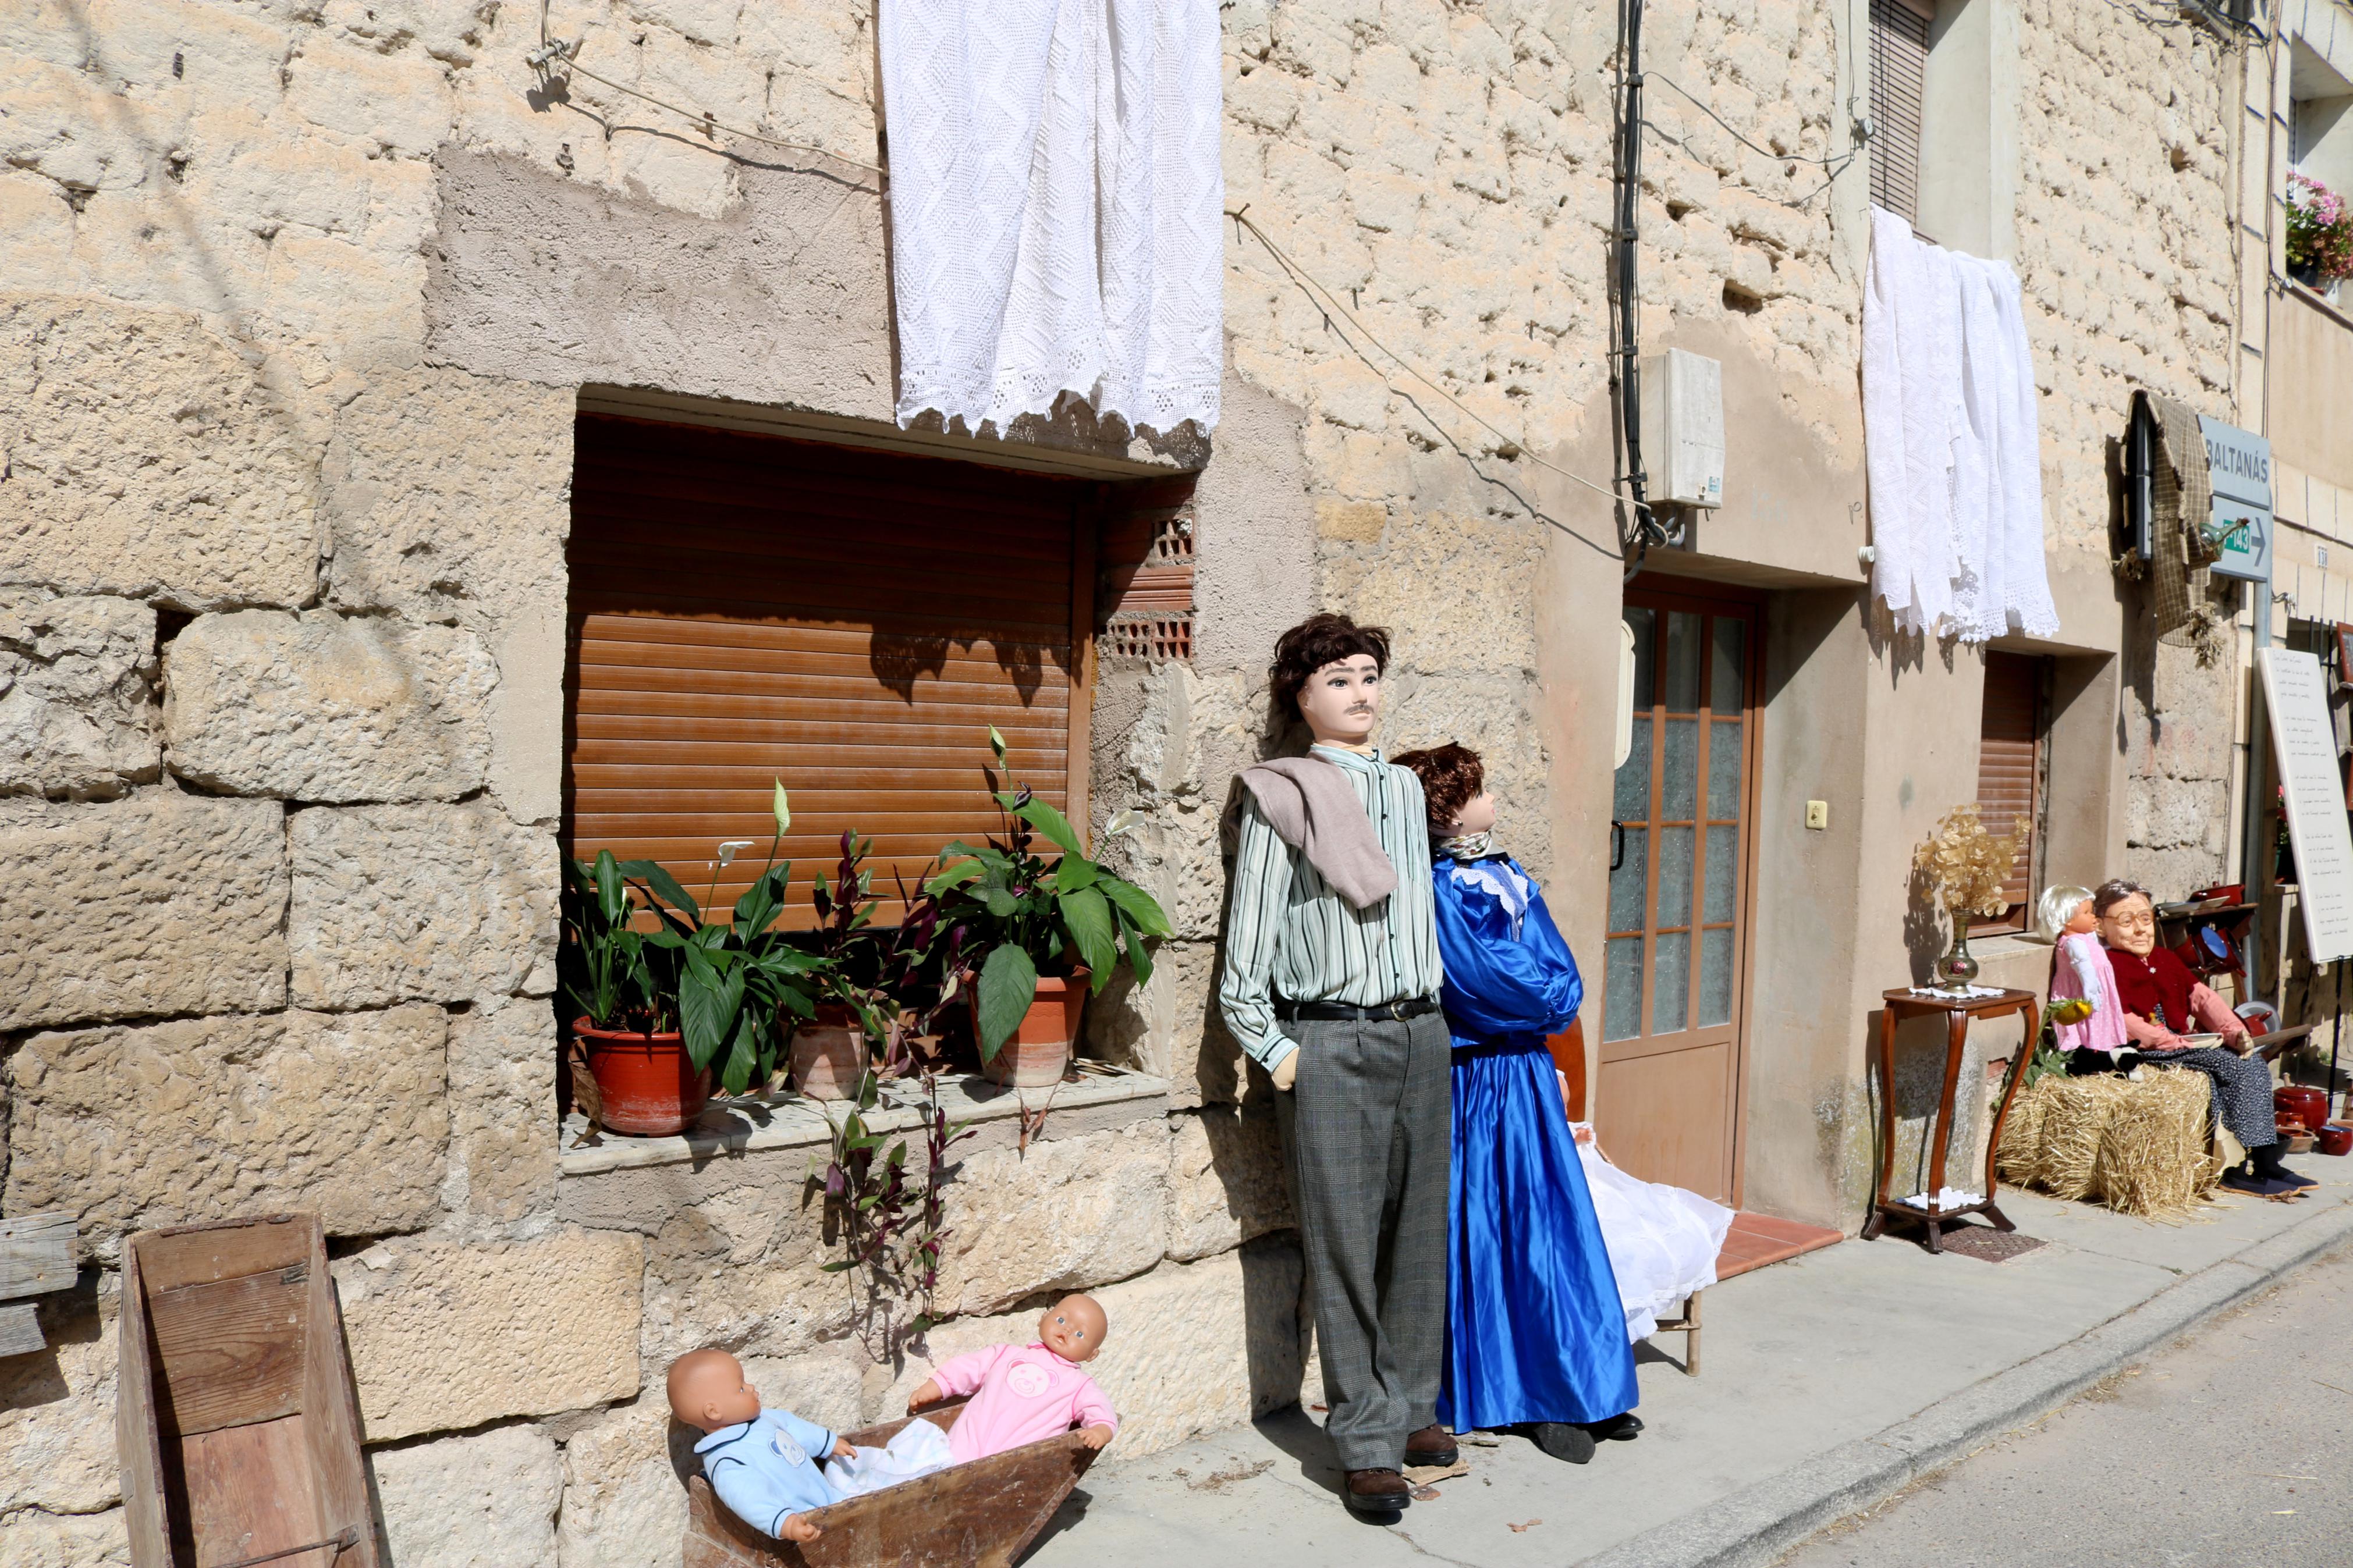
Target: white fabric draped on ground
x: 1951, y: 441
x: 1662, y: 1241
x: 1055, y: 199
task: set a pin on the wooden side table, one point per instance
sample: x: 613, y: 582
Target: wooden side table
x: 1957, y: 1011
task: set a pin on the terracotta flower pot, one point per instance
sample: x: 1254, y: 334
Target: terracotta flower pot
x: 1038, y: 1052
x: 648, y: 1083
x: 828, y: 1055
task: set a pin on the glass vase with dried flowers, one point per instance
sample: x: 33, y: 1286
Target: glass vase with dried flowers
x: 1964, y: 865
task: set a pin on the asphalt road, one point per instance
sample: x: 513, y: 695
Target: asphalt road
x: 2233, y: 1446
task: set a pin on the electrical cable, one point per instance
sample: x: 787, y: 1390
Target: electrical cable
x: 1625, y: 322
x: 1324, y: 298
x: 1839, y: 158
x: 556, y: 52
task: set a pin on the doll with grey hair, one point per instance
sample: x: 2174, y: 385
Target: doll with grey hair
x: 2079, y: 968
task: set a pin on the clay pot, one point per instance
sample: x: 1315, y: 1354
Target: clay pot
x: 2308, y: 1105
x: 2335, y: 1140
x: 1038, y: 1052
x: 828, y: 1055
x: 648, y: 1083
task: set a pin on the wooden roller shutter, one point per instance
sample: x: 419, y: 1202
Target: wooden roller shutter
x: 748, y: 607
x: 2010, y: 773
x: 1899, y: 76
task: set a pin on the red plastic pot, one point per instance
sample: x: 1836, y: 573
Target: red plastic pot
x: 648, y: 1083
x: 1038, y: 1052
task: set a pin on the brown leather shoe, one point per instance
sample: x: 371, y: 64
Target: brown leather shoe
x: 1376, y: 1491
x: 1433, y: 1445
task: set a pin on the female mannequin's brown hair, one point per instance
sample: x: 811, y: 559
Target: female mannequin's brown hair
x: 1451, y: 777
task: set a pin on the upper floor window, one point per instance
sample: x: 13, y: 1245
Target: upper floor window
x: 1899, y: 81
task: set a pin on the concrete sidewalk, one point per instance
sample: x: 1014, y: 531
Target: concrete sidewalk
x: 1829, y: 1381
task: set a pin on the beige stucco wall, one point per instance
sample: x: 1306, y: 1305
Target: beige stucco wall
x: 300, y: 304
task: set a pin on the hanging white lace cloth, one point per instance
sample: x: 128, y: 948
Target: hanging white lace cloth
x: 1055, y: 197
x: 1951, y: 442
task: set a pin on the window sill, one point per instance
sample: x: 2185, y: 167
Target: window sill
x: 736, y: 1130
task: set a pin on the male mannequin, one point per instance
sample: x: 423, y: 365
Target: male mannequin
x: 1331, y: 982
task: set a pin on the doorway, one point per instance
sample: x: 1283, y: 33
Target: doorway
x: 1674, y: 969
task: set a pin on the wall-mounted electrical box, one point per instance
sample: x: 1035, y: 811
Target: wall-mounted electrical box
x: 1682, y: 428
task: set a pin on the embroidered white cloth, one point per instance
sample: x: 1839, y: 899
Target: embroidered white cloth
x: 1947, y: 1199
x: 1951, y: 442
x: 1055, y: 198
x: 1662, y: 1241
x: 1958, y: 993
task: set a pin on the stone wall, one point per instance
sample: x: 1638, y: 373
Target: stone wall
x: 298, y: 306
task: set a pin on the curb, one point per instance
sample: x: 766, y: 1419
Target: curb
x: 1760, y: 1524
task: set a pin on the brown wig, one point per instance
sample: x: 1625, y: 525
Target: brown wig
x: 2114, y: 891
x: 1451, y: 777
x: 1315, y: 642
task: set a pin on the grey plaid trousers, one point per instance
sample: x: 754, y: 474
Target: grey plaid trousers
x: 1367, y: 1135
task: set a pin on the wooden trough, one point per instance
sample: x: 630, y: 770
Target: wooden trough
x: 238, y: 1425
x: 984, y: 1514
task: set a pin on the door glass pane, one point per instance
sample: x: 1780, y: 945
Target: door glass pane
x: 1621, y: 980
x: 1727, y: 664
x: 1631, y: 802
x: 1682, y: 662
x: 1722, y: 861
x: 1626, y: 881
x: 1679, y: 789
x: 1724, y: 769
x: 1675, y: 876
x: 1645, y: 626
x: 1671, y: 982
x: 1715, y: 977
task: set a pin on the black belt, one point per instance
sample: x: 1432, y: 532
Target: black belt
x: 1349, y: 1013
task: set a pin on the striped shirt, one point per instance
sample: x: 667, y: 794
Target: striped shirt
x: 1288, y: 934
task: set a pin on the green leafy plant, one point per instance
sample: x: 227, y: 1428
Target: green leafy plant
x: 738, y: 978
x: 612, y: 972
x: 1035, y: 916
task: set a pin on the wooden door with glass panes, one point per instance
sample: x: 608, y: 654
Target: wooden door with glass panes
x: 1673, y: 968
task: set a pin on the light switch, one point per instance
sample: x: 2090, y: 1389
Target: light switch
x: 1817, y: 813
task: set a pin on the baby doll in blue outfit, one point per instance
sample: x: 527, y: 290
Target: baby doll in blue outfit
x: 770, y: 1467
x: 761, y: 1463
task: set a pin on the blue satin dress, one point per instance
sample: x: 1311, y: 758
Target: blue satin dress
x: 1535, y: 1330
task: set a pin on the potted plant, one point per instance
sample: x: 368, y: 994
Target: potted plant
x: 739, y: 980
x: 1964, y: 864
x: 885, y: 984
x: 626, y: 989
x: 2319, y: 234
x: 1052, y: 932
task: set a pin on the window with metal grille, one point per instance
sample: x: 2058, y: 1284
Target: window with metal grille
x: 2010, y: 763
x: 1899, y: 76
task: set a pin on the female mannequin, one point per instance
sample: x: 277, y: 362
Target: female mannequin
x: 1536, y: 1330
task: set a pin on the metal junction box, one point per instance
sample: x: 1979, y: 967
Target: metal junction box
x: 1682, y: 428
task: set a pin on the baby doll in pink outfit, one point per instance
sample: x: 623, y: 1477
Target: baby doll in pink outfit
x: 2079, y: 969
x: 1021, y: 1394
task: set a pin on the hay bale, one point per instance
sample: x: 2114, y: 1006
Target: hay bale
x: 2074, y: 1120
x: 2153, y: 1151
x: 2022, y: 1132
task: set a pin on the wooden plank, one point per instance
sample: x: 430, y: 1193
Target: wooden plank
x: 249, y: 1491
x: 330, y: 1413
x: 20, y: 1330
x: 37, y: 1255
x: 224, y: 1249
x: 138, y: 1441
x: 231, y: 1351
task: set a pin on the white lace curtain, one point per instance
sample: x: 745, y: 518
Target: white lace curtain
x: 1055, y: 192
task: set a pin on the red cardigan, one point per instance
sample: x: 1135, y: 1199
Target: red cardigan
x: 2159, y: 981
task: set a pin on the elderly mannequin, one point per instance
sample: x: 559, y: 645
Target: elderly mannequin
x: 2161, y: 995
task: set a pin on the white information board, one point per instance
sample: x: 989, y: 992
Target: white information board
x: 2304, y: 742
